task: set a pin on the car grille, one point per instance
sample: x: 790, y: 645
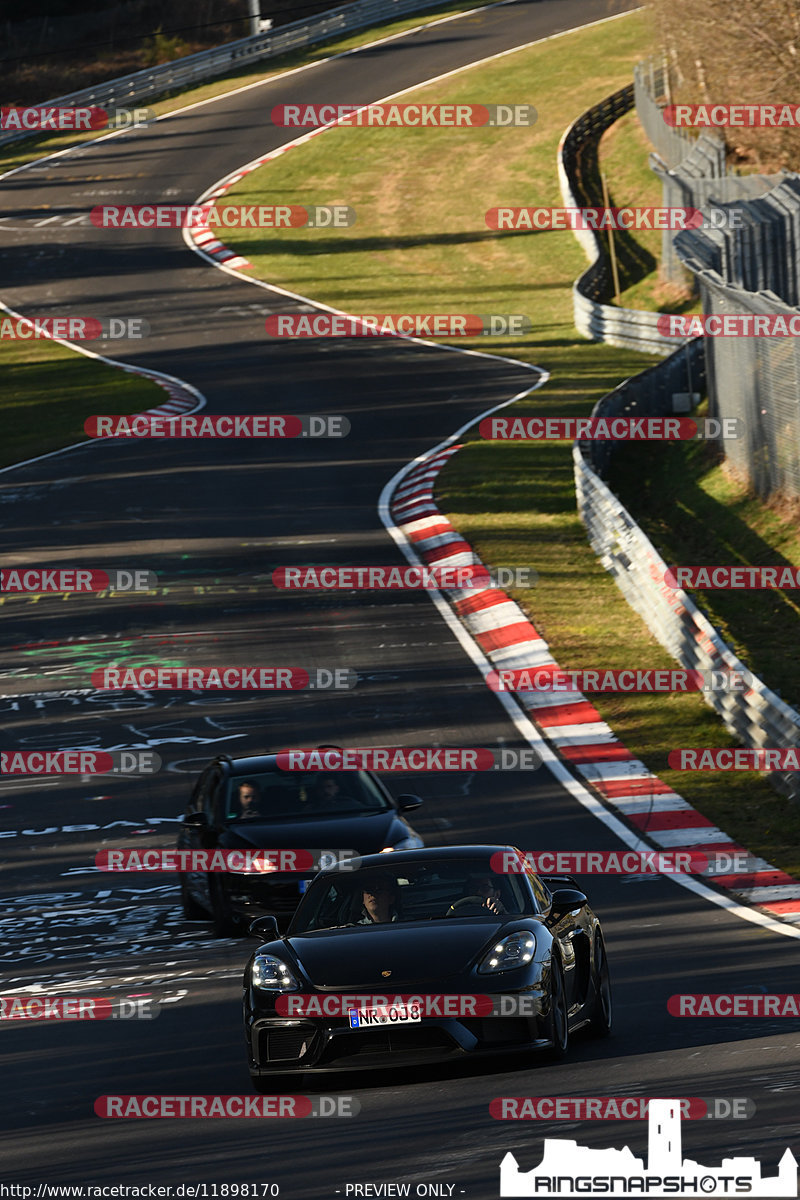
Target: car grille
x: 285, y: 1045
x: 495, y: 1031
x: 387, y: 1043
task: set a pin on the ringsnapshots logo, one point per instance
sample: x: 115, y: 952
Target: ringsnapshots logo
x: 206, y: 1107
x: 552, y: 678
x: 224, y: 216
x: 41, y: 1007
x: 48, y: 119
x: 321, y: 578
x: 40, y: 580
x: 224, y: 679
x: 569, y: 1170
x: 143, y: 425
x: 406, y: 115
x: 319, y: 325
x: 79, y: 762
x: 609, y: 429
x: 410, y: 759
x: 235, y: 862
x: 73, y: 329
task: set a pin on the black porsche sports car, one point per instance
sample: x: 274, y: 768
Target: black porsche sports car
x: 250, y: 804
x: 423, y: 956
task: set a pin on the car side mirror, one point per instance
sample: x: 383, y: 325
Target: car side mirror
x: 406, y: 802
x: 566, y: 900
x: 196, y: 820
x: 265, y: 928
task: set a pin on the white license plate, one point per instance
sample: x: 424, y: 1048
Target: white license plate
x: 384, y: 1014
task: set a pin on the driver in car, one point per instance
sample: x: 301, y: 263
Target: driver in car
x: 480, y: 890
x: 248, y: 799
x: 379, y: 896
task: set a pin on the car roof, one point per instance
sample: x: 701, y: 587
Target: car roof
x: 253, y: 764
x: 400, y: 858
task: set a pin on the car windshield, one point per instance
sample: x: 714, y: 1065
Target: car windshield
x: 418, y: 892
x: 294, y: 796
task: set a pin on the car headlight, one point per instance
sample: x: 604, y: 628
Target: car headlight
x: 408, y: 843
x: 271, y: 974
x: 513, y: 951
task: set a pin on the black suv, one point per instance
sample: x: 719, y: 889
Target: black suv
x: 251, y: 804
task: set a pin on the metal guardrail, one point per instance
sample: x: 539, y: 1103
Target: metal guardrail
x: 757, y: 717
x: 578, y: 173
x: 183, y: 72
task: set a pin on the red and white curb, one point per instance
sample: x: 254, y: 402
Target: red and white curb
x: 202, y: 238
x: 569, y: 722
x: 182, y: 397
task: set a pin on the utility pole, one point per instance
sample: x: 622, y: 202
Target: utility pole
x: 255, y: 17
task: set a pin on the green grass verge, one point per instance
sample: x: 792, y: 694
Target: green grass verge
x: 420, y: 244
x: 48, y: 392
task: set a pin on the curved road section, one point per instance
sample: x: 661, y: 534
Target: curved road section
x: 213, y: 519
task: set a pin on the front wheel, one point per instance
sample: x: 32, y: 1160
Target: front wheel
x: 559, y: 1015
x: 600, y: 1020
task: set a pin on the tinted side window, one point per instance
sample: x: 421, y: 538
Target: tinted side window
x: 539, y: 890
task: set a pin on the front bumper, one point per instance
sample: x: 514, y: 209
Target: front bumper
x: 286, y: 1046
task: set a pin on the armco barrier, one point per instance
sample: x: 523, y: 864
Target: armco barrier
x: 757, y: 717
x: 579, y: 177
x: 183, y: 72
